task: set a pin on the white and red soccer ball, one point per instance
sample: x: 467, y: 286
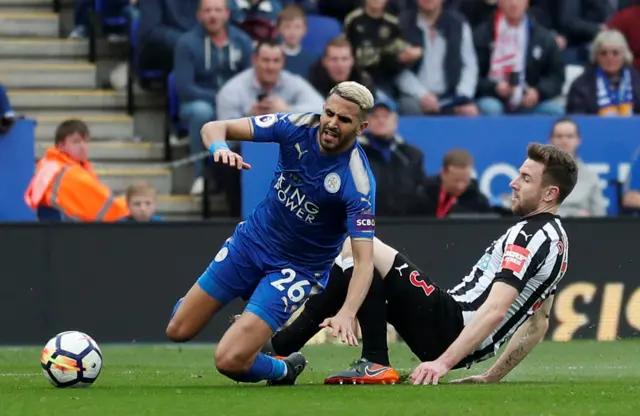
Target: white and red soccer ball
x: 71, y: 359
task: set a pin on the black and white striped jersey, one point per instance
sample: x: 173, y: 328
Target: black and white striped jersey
x: 532, y: 257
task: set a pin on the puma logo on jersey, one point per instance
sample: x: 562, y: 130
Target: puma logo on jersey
x: 525, y: 235
x: 363, y: 199
x: 300, y: 152
x: 399, y: 269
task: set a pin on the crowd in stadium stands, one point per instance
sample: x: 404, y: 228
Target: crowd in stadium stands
x: 66, y: 187
x: 234, y: 58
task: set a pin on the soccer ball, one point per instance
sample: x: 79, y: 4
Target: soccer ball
x: 71, y: 359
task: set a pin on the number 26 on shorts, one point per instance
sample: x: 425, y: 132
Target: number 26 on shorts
x: 295, y: 293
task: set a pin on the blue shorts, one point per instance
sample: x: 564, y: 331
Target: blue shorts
x: 274, y: 294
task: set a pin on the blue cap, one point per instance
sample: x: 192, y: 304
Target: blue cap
x: 389, y: 105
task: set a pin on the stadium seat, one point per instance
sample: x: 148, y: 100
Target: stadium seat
x: 571, y: 72
x: 320, y: 30
x: 173, y: 106
x: 147, y: 74
x: 101, y: 10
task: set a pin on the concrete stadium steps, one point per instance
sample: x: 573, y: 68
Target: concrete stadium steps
x: 187, y: 207
x: 47, y: 75
x: 53, y: 48
x: 117, y: 151
x: 31, y: 4
x: 103, y: 125
x: 43, y: 48
x: 24, y: 100
x: 50, y: 80
x: 179, y: 207
x: 26, y: 9
x: 29, y: 24
x: 119, y: 176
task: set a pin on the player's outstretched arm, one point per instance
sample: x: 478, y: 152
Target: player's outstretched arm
x: 221, y: 130
x: 362, y: 275
x: 216, y: 133
x: 484, y: 322
x: 524, y: 340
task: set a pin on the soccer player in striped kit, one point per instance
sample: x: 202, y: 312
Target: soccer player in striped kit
x: 506, y: 297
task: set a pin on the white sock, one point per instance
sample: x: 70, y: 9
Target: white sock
x: 286, y: 370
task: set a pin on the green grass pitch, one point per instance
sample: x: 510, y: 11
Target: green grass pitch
x: 574, y: 378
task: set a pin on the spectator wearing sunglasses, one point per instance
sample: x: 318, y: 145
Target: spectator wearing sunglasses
x: 610, y: 86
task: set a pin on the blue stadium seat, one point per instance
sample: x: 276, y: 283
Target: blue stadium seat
x: 101, y: 7
x: 174, y: 105
x: 133, y: 38
x: 320, y: 30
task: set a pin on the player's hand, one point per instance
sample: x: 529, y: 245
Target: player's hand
x: 228, y: 157
x: 342, y: 326
x: 480, y: 379
x: 429, y: 372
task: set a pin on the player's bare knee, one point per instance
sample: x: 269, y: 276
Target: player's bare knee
x: 231, y: 361
x: 177, y: 332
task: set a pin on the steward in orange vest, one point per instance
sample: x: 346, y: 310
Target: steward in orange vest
x: 65, y: 186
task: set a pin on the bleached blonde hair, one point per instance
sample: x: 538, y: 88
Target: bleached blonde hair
x: 611, y: 37
x: 357, y: 94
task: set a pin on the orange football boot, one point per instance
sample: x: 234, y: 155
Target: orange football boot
x: 365, y: 372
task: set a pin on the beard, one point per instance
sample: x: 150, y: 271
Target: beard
x: 523, y: 208
x: 332, y: 140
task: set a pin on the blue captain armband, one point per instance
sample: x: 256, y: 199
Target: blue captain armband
x: 217, y: 146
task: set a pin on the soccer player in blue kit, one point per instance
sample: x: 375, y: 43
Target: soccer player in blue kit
x: 322, y: 191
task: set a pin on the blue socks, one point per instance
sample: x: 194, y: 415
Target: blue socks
x: 263, y: 368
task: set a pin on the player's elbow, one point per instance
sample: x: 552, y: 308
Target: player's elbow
x: 497, y: 316
x: 496, y: 312
x: 210, y: 125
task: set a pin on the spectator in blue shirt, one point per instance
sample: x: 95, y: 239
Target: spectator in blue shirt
x: 206, y: 57
x: 161, y: 24
x: 631, y: 198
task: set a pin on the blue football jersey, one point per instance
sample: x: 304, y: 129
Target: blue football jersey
x: 315, y: 200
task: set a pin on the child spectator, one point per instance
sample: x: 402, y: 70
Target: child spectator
x: 292, y: 27
x: 141, y: 200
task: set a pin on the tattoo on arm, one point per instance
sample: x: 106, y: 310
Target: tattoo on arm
x: 514, y: 357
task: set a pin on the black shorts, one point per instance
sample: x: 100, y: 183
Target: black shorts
x: 425, y: 316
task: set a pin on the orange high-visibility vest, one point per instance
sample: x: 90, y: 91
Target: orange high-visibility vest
x: 74, y: 189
